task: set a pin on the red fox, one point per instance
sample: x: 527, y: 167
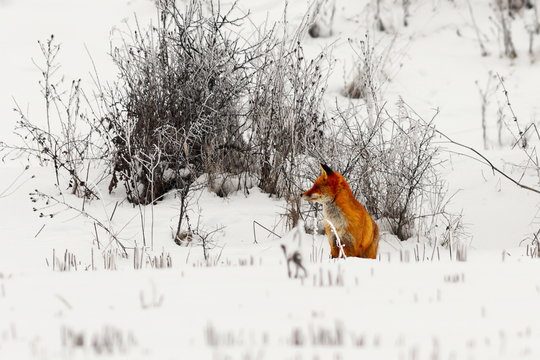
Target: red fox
x: 357, y: 231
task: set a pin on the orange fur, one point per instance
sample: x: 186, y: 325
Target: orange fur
x: 355, y: 227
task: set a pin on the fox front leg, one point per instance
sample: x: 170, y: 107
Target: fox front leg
x: 334, y: 249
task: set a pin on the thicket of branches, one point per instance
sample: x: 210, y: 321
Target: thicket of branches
x: 392, y: 165
x: 194, y: 97
x: 177, y: 104
x: 65, y: 136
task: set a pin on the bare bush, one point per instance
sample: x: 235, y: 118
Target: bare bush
x: 389, y: 159
x: 359, y: 87
x: 174, y: 114
x: 392, y: 166
x: 67, y: 140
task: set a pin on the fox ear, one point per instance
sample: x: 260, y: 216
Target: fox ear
x: 326, y: 170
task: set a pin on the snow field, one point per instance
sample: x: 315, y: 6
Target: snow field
x: 413, y: 303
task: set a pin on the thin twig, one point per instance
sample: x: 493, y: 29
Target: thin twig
x: 265, y: 228
x: 488, y: 162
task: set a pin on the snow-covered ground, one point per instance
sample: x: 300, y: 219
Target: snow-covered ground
x: 242, y: 305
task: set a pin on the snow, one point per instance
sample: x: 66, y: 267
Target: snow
x: 243, y: 304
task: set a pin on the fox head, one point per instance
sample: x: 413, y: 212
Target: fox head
x: 326, y: 186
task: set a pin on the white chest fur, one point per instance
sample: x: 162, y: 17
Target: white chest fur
x: 333, y: 213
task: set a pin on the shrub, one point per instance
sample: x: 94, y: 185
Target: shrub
x: 67, y: 139
x: 391, y: 165
x: 174, y: 113
x: 193, y: 97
